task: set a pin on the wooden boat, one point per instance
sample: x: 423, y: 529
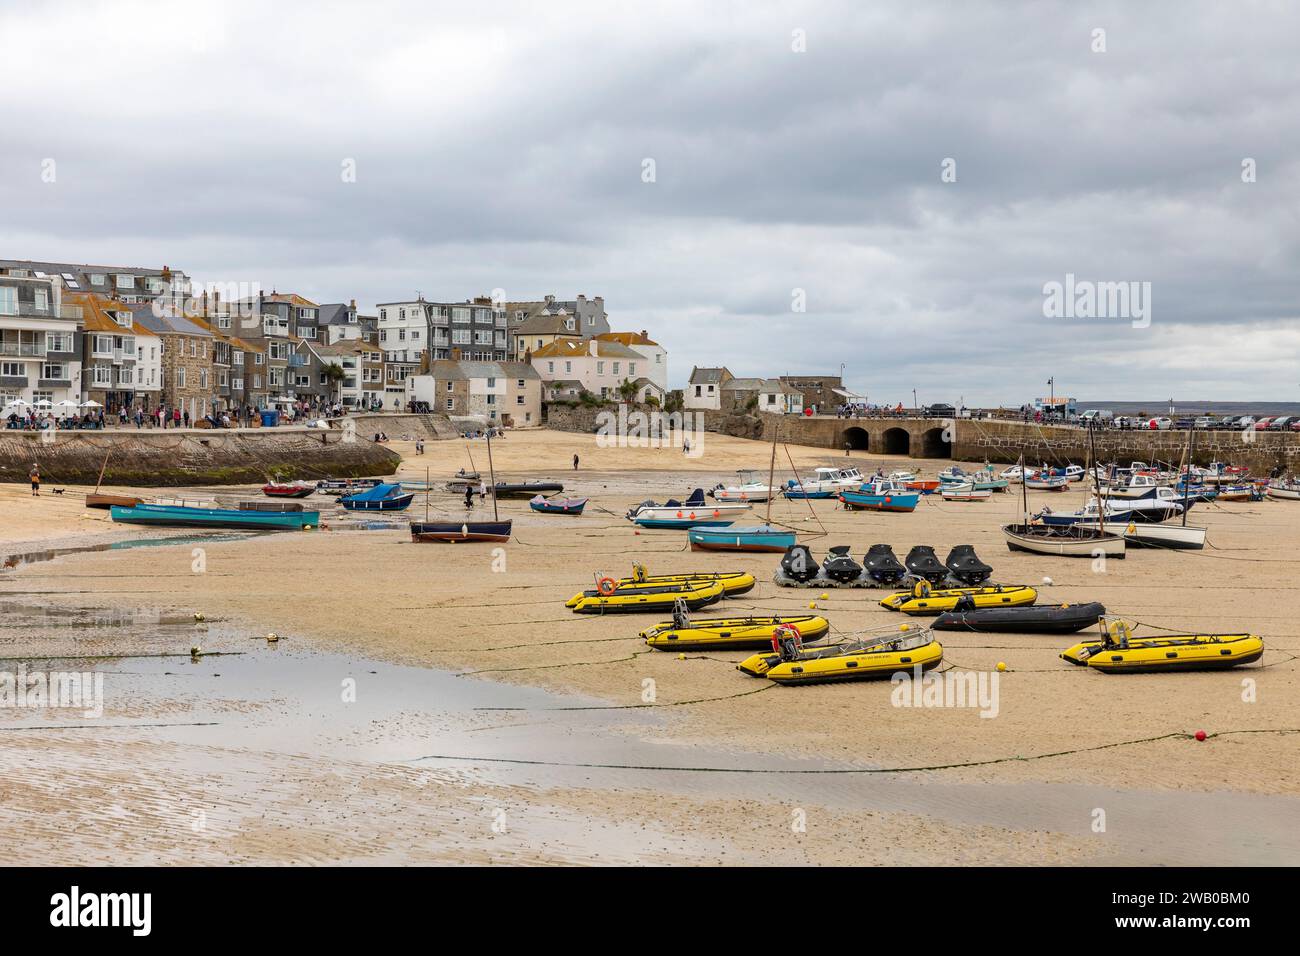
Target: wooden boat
x: 926, y: 486
x: 291, y: 489
x: 1139, y: 534
x: 965, y: 492
x: 827, y: 483
x: 1037, y: 619
x: 1070, y: 541
x: 731, y: 633
x: 379, y: 498
x: 525, y: 489
x: 1038, y: 482
x: 185, y: 516
x: 1123, y: 510
x: 981, y: 481
x: 761, y: 537
x: 882, y: 494
x: 102, y: 499
x: 457, y: 531
x: 1283, y: 490
x: 345, y: 486
x: 801, y: 494
x: 558, y: 506
x: 1117, y: 652
x: 277, y: 507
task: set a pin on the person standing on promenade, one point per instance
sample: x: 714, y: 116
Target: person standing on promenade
x: 35, y: 476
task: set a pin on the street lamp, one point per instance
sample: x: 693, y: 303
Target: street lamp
x: 915, y: 407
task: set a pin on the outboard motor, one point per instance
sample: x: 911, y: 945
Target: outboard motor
x: 648, y: 503
x: 966, y: 567
x: 798, y: 563
x: 922, y: 563
x: 696, y: 499
x: 787, y: 642
x: 840, y: 566
x: 882, y: 566
x: 964, y: 603
x: 681, y: 615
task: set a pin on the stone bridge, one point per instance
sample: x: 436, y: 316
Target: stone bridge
x: 916, y: 437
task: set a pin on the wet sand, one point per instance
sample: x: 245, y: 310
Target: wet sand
x: 293, y: 773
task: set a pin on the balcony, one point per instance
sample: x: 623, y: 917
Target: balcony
x: 54, y: 383
x: 23, y: 349
x: 297, y: 361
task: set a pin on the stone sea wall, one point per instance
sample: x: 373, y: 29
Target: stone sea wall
x: 156, y: 458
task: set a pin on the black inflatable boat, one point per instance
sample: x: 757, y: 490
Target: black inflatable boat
x: 1038, y: 619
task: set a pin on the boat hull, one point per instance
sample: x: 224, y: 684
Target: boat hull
x: 740, y: 539
x: 1148, y: 535
x: 1043, y: 619
x: 1068, y: 542
x: 862, y: 501
x: 573, y: 506
x: 1179, y: 652
x: 169, y: 516
x: 457, y: 531
x: 288, y: 491
x: 106, y: 501
x: 731, y: 634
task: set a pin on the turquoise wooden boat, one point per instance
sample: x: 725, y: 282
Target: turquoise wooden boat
x: 184, y: 516
x: 761, y: 537
x: 883, y: 494
x: 683, y: 523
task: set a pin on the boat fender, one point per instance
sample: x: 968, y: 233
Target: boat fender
x: 607, y: 586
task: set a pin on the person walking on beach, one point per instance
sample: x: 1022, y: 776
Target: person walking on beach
x: 482, y: 490
x: 469, y: 497
x: 35, y: 476
x: 575, y: 462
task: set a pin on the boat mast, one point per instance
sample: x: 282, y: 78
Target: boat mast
x: 771, y: 470
x: 101, y: 469
x: 1187, y: 474
x: 1024, y: 492
x: 426, y: 494
x: 1096, y: 481
x: 493, y: 474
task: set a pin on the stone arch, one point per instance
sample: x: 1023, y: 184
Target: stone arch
x: 898, y: 441
x: 855, y: 439
x: 935, y: 444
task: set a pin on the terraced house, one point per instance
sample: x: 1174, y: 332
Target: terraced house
x: 40, y: 338
x: 187, y: 348
x: 537, y: 324
x: 415, y: 333
x: 121, y: 358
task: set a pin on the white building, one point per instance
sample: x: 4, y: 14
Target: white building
x: 40, y: 348
x: 655, y: 367
x: 601, y: 366
x: 703, y: 391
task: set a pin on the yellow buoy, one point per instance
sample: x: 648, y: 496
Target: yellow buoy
x: 904, y: 627
x: 1002, y: 666
x: 822, y: 597
x: 681, y: 657
x: 198, y: 616
x: 812, y: 604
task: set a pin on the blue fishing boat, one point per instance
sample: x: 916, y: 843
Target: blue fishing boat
x: 883, y: 494
x: 797, y: 492
x: 761, y: 537
x: 191, y: 516
x: 379, y: 498
x: 558, y: 506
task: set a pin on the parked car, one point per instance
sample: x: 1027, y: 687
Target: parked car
x: 1183, y: 424
x: 1204, y: 421
x: 1281, y: 423
x: 1244, y: 422
x: 1295, y: 425
x: 1227, y: 421
x: 1161, y: 424
x: 1263, y: 424
x: 939, y: 410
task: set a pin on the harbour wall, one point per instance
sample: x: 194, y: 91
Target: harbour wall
x: 1005, y: 441
x: 167, y: 457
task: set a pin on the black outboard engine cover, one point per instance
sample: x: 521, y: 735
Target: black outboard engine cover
x: 966, y: 567
x: 696, y: 499
x: 840, y: 566
x: 798, y: 564
x: 882, y: 566
x: 648, y: 503
x: 923, y: 564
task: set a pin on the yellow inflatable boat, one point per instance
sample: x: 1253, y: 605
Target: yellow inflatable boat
x: 647, y: 597
x: 923, y: 599
x: 851, y: 660
x: 1120, y: 653
x: 733, y: 582
x: 730, y: 633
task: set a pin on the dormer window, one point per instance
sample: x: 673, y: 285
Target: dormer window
x: 98, y: 279
x: 123, y: 319
x: 568, y: 324
x: 126, y: 282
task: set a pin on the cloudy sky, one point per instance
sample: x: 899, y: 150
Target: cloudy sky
x: 797, y: 217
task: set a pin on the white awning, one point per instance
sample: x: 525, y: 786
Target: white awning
x: 852, y: 396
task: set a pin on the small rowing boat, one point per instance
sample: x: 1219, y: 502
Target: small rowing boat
x: 558, y: 506
x: 761, y: 537
x: 454, y: 532
x: 290, y: 489
x: 1070, y: 541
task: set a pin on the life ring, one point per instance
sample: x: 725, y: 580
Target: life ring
x: 606, y: 586
x: 784, y: 628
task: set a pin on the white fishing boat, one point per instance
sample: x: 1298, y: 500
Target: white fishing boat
x: 1165, y: 504
x: 1069, y: 541
x: 1179, y: 537
x: 828, y: 479
x: 1283, y: 490
x: 965, y: 492
x: 1037, y: 481
x: 747, y: 489
x: 1013, y: 475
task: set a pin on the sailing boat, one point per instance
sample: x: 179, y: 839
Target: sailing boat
x: 97, y: 500
x: 1074, y: 541
x: 456, y: 531
x: 763, y: 537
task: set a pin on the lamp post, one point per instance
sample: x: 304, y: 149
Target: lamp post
x: 1051, y: 395
x: 915, y: 407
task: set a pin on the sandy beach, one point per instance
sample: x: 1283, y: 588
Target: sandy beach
x: 438, y: 703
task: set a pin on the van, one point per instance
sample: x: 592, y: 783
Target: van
x: 1097, y: 414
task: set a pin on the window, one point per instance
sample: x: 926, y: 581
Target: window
x: 103, y: 345
x: 451, y: 402
x: 203, y: 378
x: 223, y: 322
x: 180, y: 377
x: 259, y: 358
x: 42, y: 299
x: 237, y: 358
x: 460, y: 336
x: 223, y: 378
x: 697, y: 391
x: 8, y: 300
x: 520, y: 383
x: 54, y: 370
x: 58, y: 341
x: 568, y: 368
x: 616, y: 368
x: 13, y: 369
x: 126, y: 282
x: 257, y: 381
x: 194, y: 348
x: 460, y: 315
x: 125, y: 376
x: 600, y: 368
x: 568, y: 324
x: 491, y: 399
x: 519, y: 399
x: 98, y: 278
x: 631, y: 368
x: 550, y: 368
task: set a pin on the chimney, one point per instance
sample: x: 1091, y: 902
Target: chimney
x: 550, y: 299
x: 354, y: 304
x: 455, y: 355
x: 644, y: 334
x: 528, y: 356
